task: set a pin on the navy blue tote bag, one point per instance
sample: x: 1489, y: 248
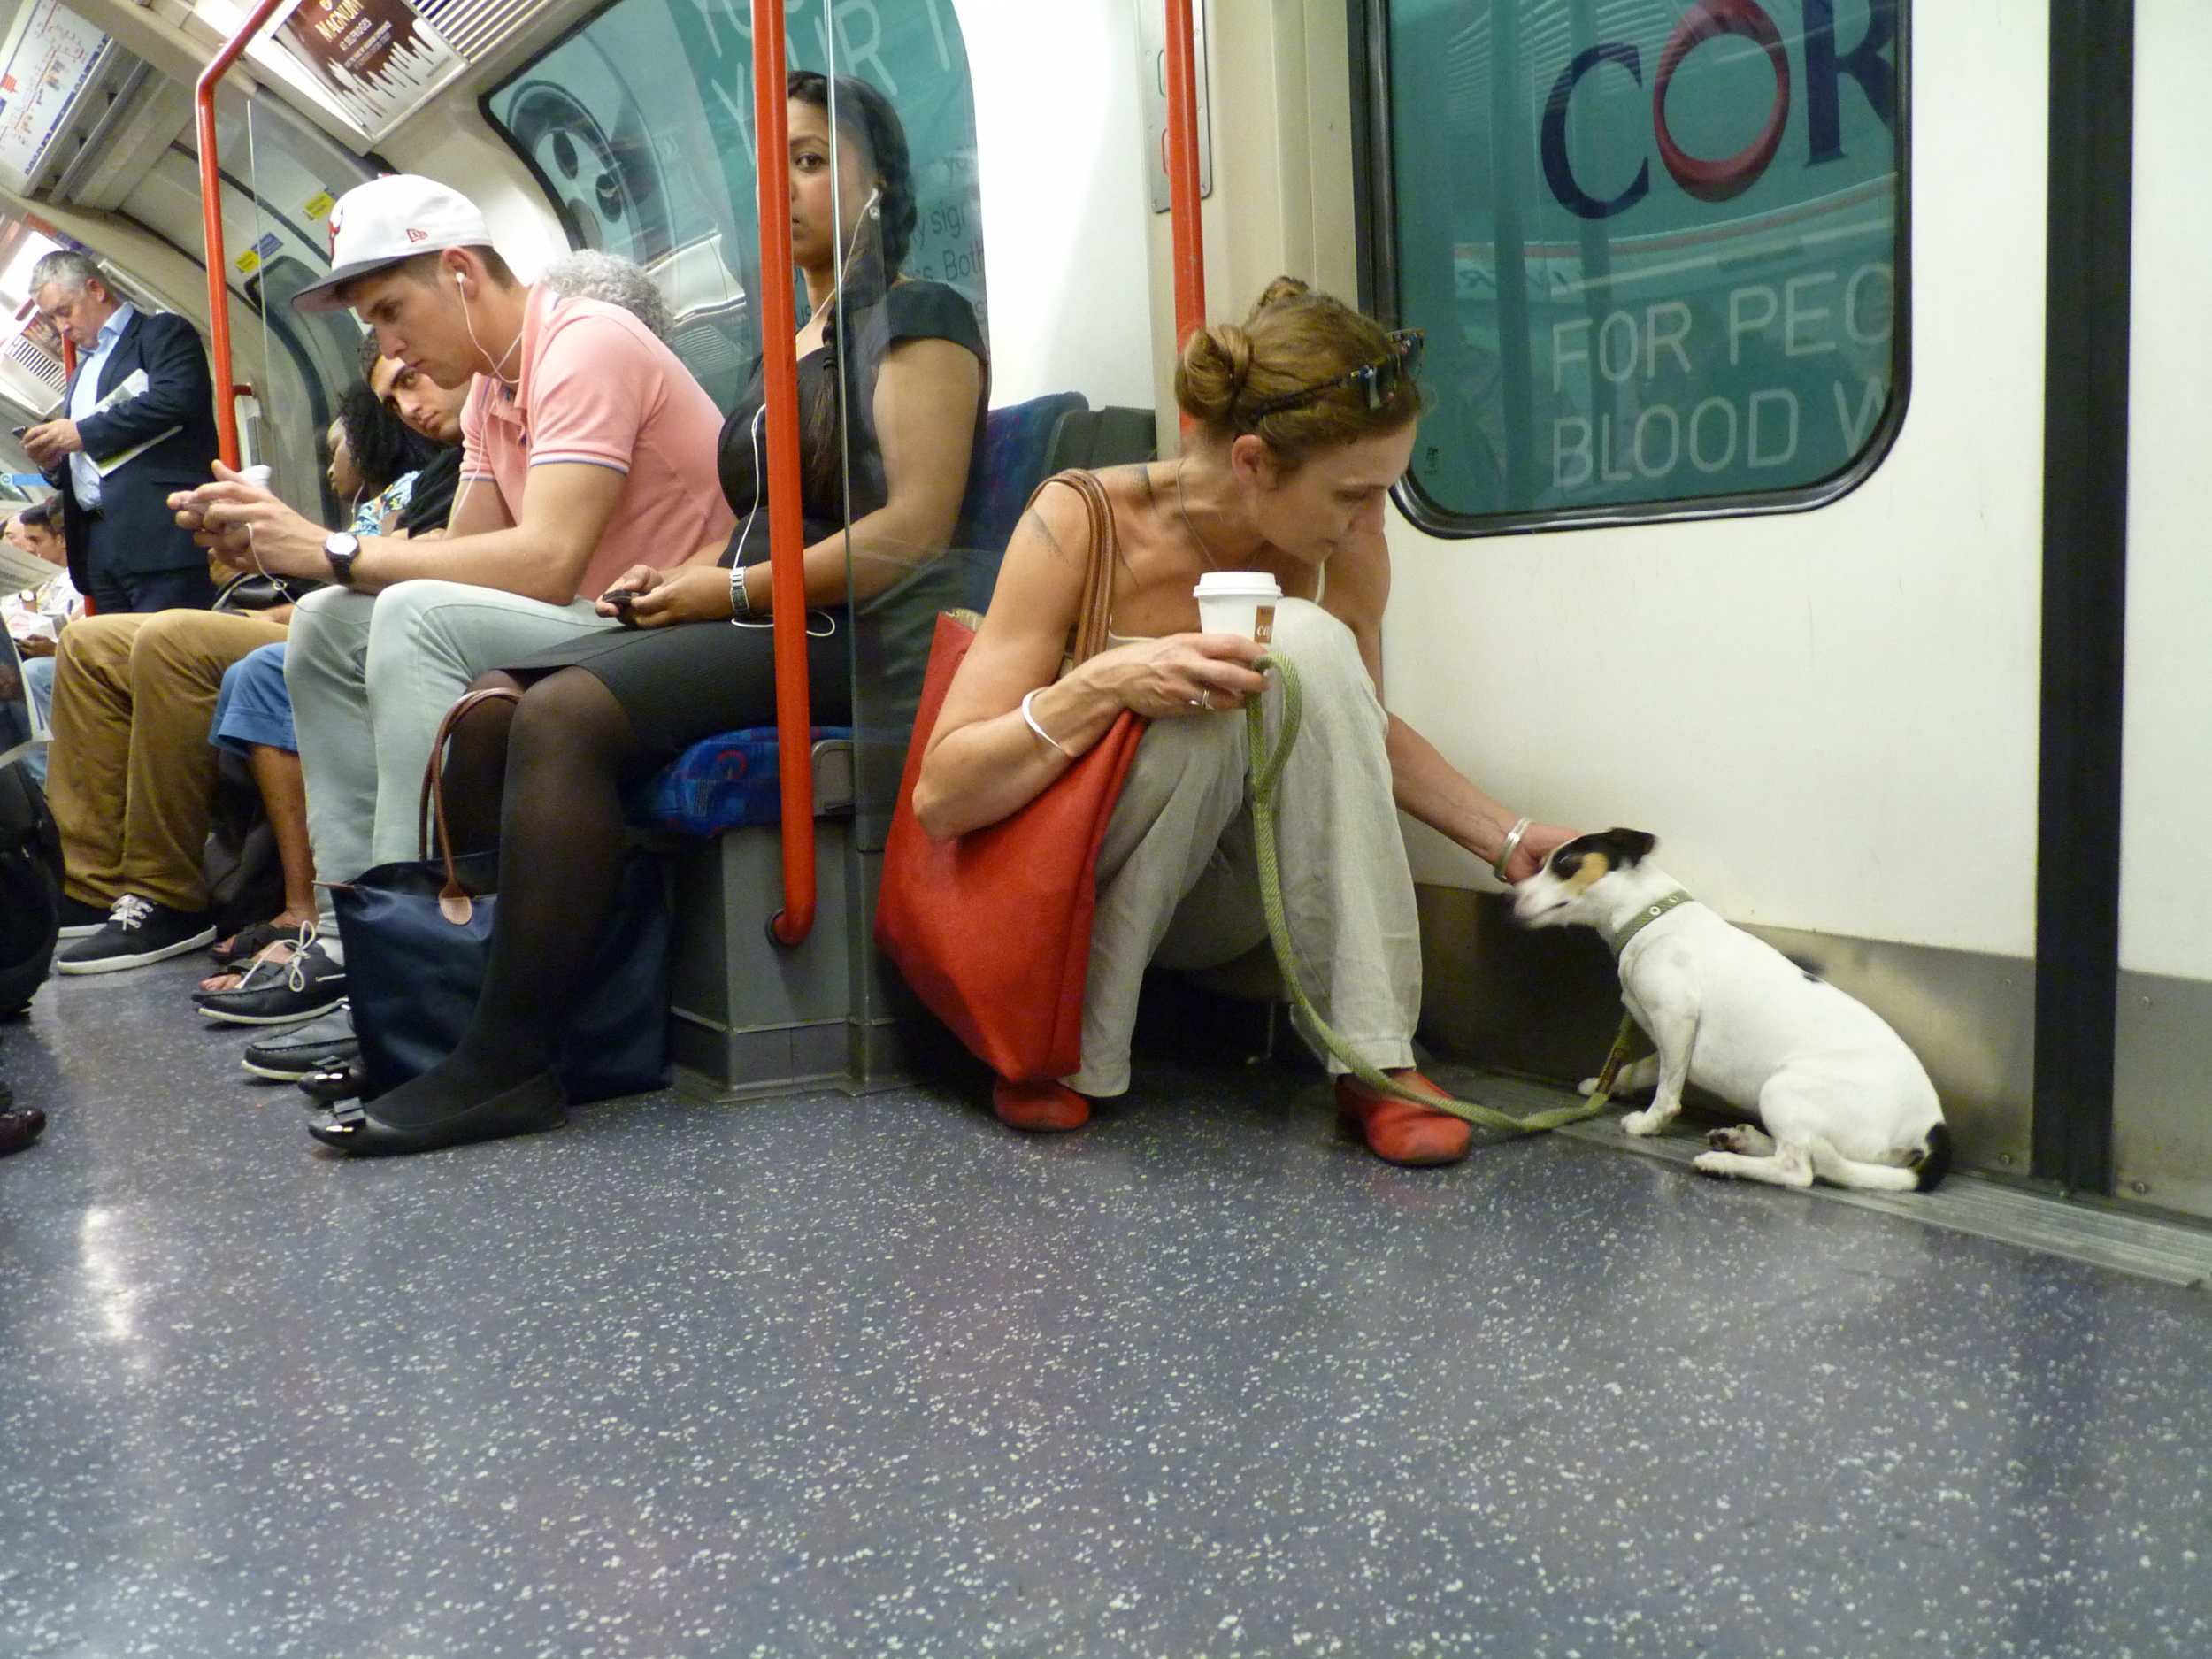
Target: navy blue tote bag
x: 418, y: 937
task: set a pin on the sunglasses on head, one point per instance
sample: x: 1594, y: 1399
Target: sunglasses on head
x: 1378, y: 380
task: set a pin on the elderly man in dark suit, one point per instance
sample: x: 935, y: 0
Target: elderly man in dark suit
x: 126, y: 552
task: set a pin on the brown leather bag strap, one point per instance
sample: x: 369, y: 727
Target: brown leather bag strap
x: 1094, y: 614
x: 452, y: 900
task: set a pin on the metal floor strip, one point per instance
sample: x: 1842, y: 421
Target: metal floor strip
x: 2173, y: 1252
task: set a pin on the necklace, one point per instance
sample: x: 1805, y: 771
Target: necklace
x: 1183, y: 512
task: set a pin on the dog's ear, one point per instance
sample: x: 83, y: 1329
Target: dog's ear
x: 1628, y: 846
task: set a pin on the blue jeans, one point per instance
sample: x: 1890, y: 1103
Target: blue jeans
x: 38, y: 685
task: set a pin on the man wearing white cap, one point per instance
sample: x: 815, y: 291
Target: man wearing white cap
x: 588, y: 448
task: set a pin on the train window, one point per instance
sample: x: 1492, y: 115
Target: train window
x: 639, y: 127
x: 1657, y: 251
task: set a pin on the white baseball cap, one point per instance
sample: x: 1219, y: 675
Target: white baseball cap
x: 388, y: 220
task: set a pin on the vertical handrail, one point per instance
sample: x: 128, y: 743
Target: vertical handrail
x: 1185, y: 234
x: 787, y: 548
x: 211, y: 226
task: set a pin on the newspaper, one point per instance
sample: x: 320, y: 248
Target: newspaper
x: 20, y: 569
x: 132, y: 385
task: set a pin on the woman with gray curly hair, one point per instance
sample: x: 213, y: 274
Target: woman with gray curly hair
x: 591, y: 274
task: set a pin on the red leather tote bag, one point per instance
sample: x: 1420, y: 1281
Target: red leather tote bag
x: 993, y: 929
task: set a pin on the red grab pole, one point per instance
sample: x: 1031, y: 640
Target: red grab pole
x: 211, y: 223
x: 1184, y: 231
x: 787, y: 577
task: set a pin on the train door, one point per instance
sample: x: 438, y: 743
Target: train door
x: 2163, y: 1077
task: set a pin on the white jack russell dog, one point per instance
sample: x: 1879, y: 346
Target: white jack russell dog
x: 1841, y: 1095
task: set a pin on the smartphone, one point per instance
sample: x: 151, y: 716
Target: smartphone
x: 621, y: 599
x: 19, y: 431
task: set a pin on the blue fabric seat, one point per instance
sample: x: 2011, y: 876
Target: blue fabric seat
x: 721, y: 783
x: 1017, y: 450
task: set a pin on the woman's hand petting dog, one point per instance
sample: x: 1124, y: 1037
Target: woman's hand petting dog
x: 1538, y: 841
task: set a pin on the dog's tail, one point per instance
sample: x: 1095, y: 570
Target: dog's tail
x: 1935, y: 1164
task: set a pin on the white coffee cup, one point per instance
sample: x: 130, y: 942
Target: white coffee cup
x: 1238, y: 602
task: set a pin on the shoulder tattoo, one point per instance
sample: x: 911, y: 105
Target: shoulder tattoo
x: 1036, y: 520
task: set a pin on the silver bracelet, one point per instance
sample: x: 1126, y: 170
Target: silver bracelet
x: 740, y: 596
x: 1039, y: 729
x: 1512, y: 841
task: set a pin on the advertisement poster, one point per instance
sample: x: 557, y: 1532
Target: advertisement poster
x: 378, y: 58
x: 1655, y: 260
x: 54, y: 56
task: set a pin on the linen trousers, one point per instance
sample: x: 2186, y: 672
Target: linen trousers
x: 1179, y: 881
x: 130, y: 772
x: 371, y: 677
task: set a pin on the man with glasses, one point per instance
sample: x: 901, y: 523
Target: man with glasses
x: 138, y: 421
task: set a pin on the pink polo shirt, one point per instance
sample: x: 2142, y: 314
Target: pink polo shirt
x: 596, y: 388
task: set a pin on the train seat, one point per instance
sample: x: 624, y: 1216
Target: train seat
x: 750, y: 1016
x: 1018, y: 443
x: 733, y: 780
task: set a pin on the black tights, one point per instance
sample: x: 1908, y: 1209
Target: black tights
x: 543, y: 780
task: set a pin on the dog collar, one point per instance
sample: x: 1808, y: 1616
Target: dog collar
x: 1644, y: 919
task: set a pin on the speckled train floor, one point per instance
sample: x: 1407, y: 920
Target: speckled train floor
x: 830, y: 1376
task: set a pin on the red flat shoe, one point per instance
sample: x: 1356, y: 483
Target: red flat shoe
x: 1039, y: 1108
x: 1397, y: 1131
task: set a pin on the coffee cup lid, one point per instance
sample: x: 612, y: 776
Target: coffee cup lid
x: 1223, y: 584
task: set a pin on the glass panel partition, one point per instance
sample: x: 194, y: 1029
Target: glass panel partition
x: 640, y: 128
x: 279, y: 245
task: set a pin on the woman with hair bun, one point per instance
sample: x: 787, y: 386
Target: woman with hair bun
x: 1302, y: 420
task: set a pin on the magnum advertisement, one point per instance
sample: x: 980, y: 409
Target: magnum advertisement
x: 378, y: 57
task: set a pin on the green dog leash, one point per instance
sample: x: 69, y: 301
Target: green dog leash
x: 1267, y: 772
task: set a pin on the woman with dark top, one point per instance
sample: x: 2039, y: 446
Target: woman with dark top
x: 892, y: 386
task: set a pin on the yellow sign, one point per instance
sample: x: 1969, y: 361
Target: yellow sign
x: 248, y: 263
x: 320, y: 204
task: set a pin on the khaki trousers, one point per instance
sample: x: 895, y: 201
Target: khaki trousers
x: 131, y: 770
x: 1178, y: 885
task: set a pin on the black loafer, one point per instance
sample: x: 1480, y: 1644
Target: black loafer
x: 529, y: 1108
x: 288, y: 1056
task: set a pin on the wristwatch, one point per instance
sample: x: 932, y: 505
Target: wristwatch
x: 341, y: 547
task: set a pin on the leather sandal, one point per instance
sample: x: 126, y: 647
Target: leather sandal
x: 1039, y: 1108
x: 248, y: 942
x: 1397, y: 1131
x: 532, y: 1106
